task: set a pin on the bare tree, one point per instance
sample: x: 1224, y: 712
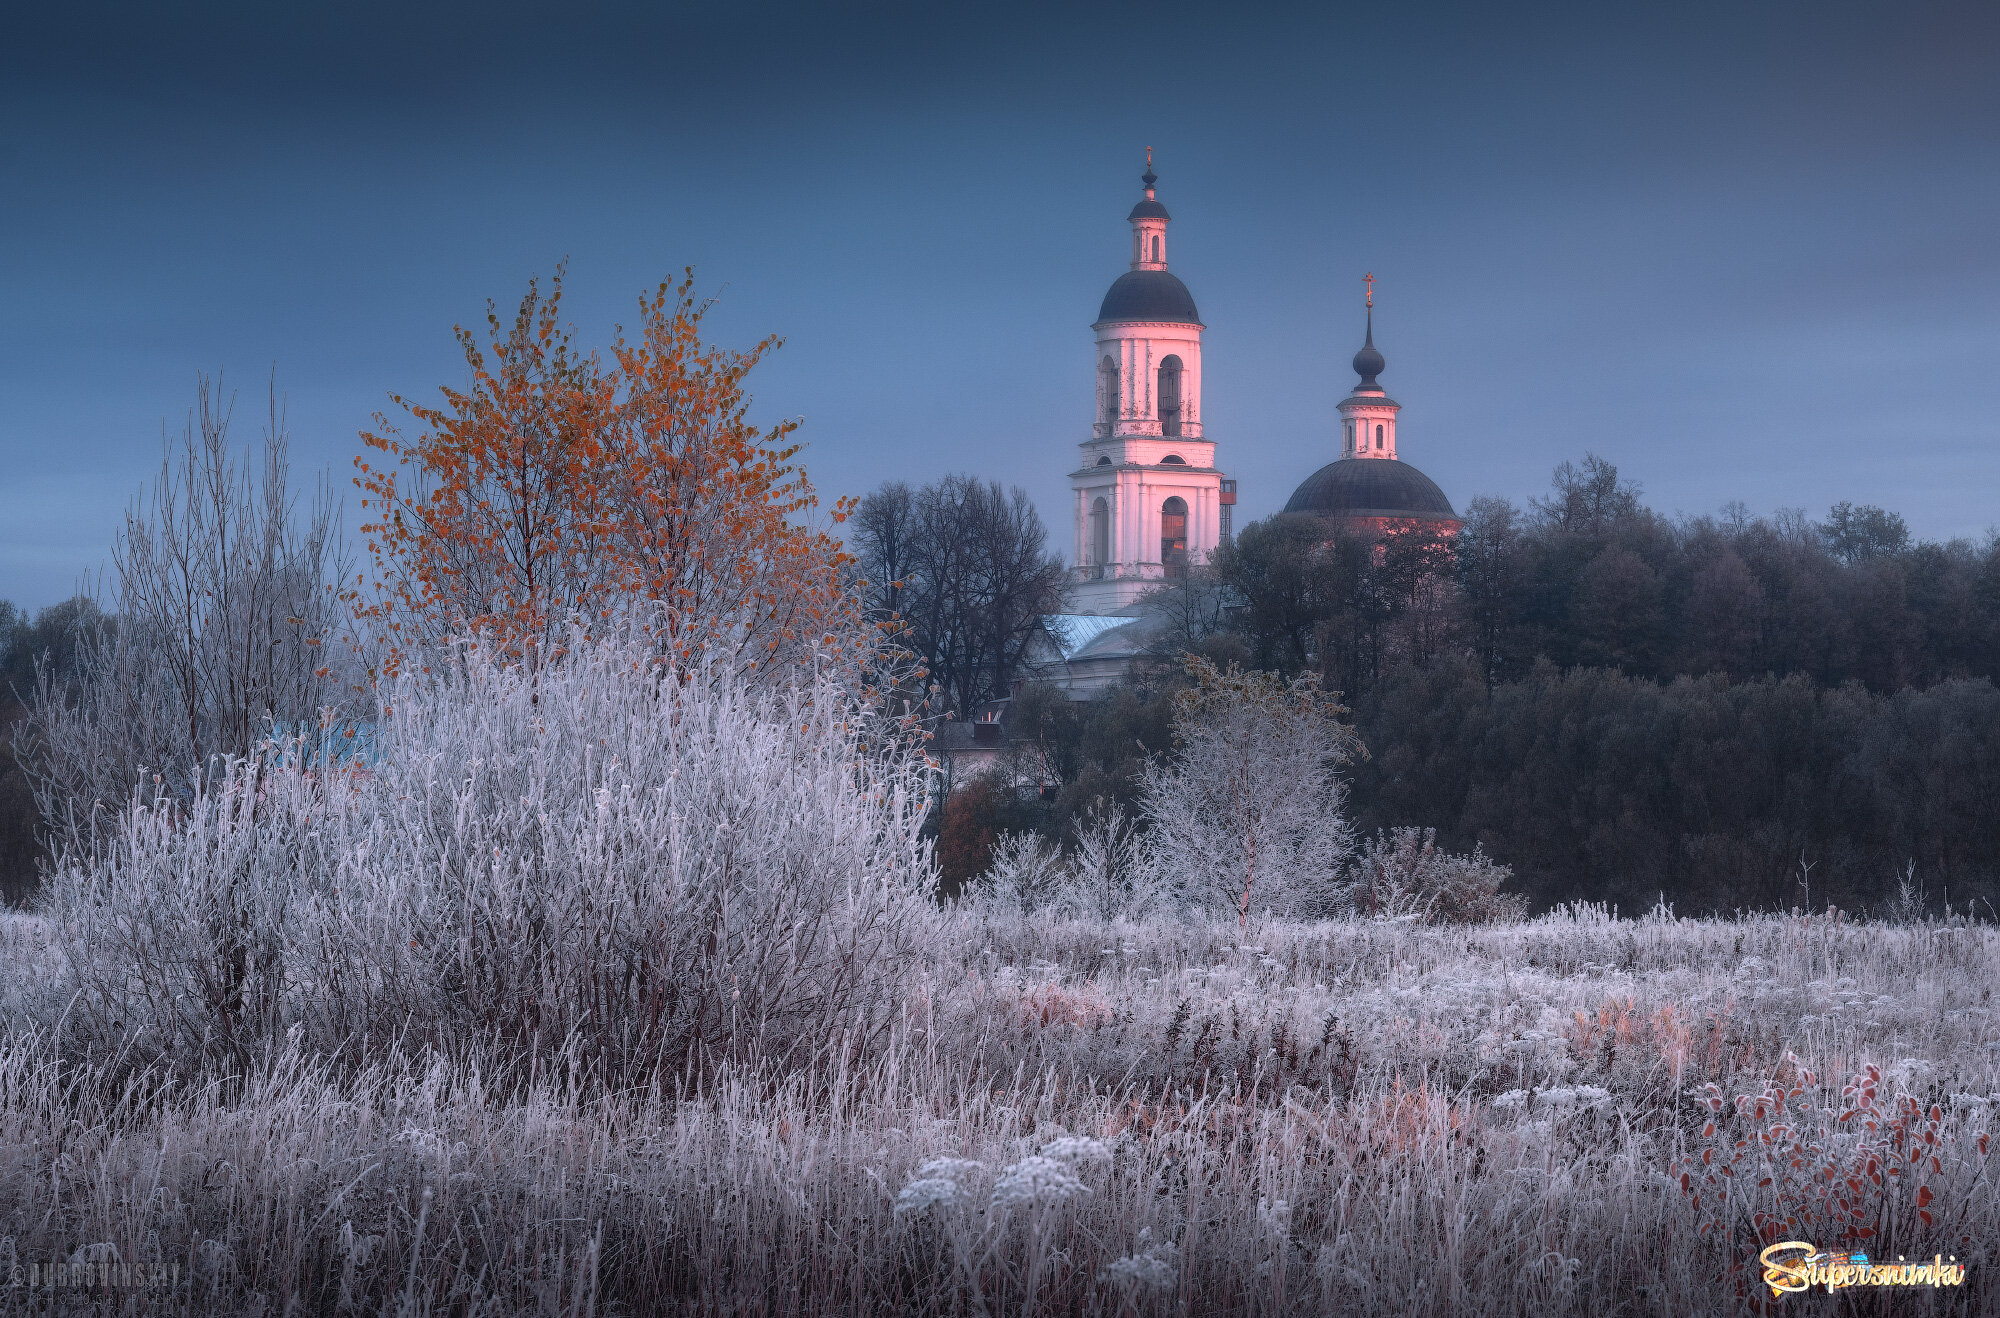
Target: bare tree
x: 1188, y: 611
x: 1248, y: 808
x: 963, y: 569
x: 884, y: 529
x: 226, y: 629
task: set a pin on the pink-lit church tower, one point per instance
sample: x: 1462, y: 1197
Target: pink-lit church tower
x: 1149, y: 499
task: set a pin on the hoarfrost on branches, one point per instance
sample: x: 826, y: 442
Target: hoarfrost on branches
x: 644, y: 868
x: 1246, y: 813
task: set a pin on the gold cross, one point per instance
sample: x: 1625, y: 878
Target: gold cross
x: 1369, y: 279
x: 1149, y: 157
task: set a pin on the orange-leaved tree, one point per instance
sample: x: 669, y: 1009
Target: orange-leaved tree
x: 703, y: 502
x: 559, y: 489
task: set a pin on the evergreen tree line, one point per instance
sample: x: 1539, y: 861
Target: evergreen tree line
x: 1709, y: 794
x: 1588, y: 576
x: 1722, y: 711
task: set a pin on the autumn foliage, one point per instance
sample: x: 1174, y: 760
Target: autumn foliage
x: 563, y: 486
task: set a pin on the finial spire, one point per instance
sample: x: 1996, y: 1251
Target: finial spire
x: 1368, y: 362
x: 1149, y: 178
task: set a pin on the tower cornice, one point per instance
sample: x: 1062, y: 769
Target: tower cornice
x: 1150, y: 324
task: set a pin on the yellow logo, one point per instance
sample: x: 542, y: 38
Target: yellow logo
x: 1795, y: 1265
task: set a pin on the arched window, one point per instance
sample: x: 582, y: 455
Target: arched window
x: 1104, y: 461
x: 1378, y: 438
x: 1156, y: 247
x: 1170, y: 397
x: 1173, y: 460
x: 1100, y: 533
x: 1173, y: 537
x: 1107, y: 394
x: 1350, y: 437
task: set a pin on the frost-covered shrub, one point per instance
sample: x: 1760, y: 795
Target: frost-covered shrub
x: 1247, y: 811
x: 1027, y: 873
x: 638, y: 870
x: 1113, y: 873
x: 1403, y: 874
x: 1109, y: 874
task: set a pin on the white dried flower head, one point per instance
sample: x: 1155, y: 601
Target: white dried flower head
x: 1073, y: 1149
x: 1035, y: 1181
x: 1567, y: 1098
x: 924, y: 1194
x: 1152, y: 1270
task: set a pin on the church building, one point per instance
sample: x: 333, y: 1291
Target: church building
x: 1149, y: 497
x: 1369, y: 491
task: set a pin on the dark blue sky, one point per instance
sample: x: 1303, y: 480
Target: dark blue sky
x: 1745, y: 251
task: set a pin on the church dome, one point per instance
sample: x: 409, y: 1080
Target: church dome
x: 1371, y: 487
x: 1149, y: 295
x: 1368, y: 362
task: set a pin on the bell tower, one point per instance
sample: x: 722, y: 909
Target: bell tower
x: 1149, y: 499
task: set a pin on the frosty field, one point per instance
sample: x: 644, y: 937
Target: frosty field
x: 1081, y: 1117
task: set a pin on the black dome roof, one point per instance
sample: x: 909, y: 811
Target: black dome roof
x: 1148, y: 209
x: 1368, y: 362
x: 1370, y: 487
x: 1149, y: 295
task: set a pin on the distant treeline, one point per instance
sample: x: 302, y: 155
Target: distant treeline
x: 1589, y: 576
x: 1731, y: 711
x: 1760, y: 794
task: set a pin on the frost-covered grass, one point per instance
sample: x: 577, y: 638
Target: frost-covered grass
x: 1088, y: 1117
x: 609, y: 990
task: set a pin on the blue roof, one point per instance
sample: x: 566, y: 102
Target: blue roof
x: 1073, y: 631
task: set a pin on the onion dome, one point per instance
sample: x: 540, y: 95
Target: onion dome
x: 1368, y: 362
x: 1149, y: 208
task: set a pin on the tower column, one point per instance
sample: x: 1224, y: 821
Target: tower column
x: 1148, y: 332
